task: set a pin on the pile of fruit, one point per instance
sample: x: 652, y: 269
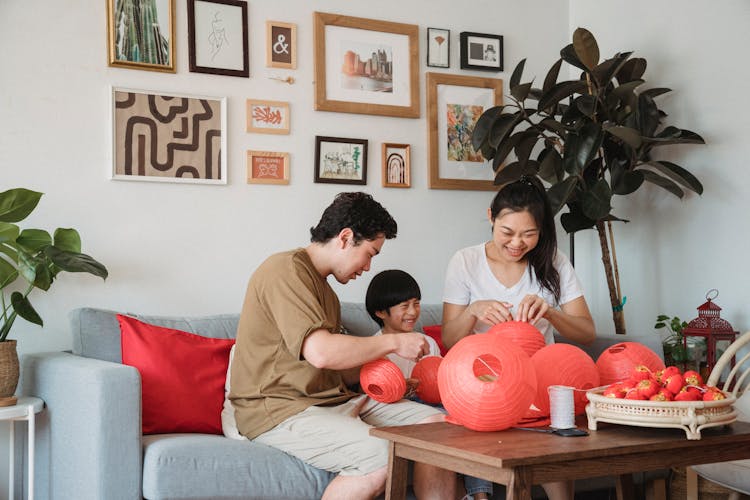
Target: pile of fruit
x: 669, y: 384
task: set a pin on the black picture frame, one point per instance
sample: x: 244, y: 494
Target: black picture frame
x: 438, y: 47
x: 340, y: 160
x: 211, y: 42
x: 481, y: 51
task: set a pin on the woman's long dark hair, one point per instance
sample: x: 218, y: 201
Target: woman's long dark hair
x: 527, y: 194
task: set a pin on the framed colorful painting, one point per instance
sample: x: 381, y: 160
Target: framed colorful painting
x: 366, y: 66
x: 168, y: 137
x: 217, y: 32
x: 267, y: 117
x: 454, y: 104
x: 131, y: 44
x: 281, y: 45
x: 396, y: 165
x: 267, y: 167
x: 340, y: 161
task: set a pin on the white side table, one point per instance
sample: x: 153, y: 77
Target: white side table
x: 25, y: 409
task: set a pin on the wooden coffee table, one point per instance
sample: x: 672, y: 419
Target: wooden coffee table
x: 519, y: 459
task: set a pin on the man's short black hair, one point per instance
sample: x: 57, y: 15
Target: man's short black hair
x: 389, y: 288
x: 359, y: 212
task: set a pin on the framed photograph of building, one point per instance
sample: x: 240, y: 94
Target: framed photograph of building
x: 366, y: 66
x: 438, y: 48
x: 281, y: 45
x: 131, y: 45
x: 340, y: 161
x: 267, y: 167
x: 481, y: 51
x: 168, y: 137
x: 454, y: 104
x: 267, y: 117
x: 217, y: 33
x: 396, y: 165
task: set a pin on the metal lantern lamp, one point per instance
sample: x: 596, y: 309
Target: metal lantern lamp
x: 711, y: 327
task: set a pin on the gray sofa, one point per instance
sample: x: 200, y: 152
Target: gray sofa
x: 89, y: 442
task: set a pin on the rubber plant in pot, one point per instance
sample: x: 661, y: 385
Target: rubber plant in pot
x: 589, y: 139
x: 29, y: 259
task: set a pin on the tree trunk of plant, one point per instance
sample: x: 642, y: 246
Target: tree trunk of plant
x: 610, y: 270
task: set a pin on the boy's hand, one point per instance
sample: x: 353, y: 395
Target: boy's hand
x: 411, y: 387
x: 410, y: 345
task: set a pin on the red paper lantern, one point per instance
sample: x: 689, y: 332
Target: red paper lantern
x: 523, y: 334
x: 486, y: 382
x: 616, y: 363
x: 563, y: 364
x: 426, y: 371
x: 382, y: 380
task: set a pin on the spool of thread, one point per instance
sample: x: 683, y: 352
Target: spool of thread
x: 561, y: 407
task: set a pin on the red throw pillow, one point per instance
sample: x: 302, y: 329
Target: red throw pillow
x: 182, y: 376
x: 435, y: 331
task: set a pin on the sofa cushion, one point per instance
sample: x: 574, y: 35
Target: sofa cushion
x: 205, y: 466
x: 228, y: 420
x: 182, y: 376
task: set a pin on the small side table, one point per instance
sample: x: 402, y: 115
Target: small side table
x: 25, y: 409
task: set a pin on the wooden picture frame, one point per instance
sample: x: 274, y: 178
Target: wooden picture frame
x: 267, y: 117
x: 281, y: 45
x: 438, y: 48
x: 340, y: 161
x: 126, y: 46
x: 396, y: 165
x: 168, y: 137
x: 454, y: 104
x: 267, y: 167
x: 481, y: 51
x: 366, y: 66
x: 218, y: 37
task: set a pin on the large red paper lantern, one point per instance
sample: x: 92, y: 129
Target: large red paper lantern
x: 523, y: 334
x: 486, y: 382
x: 426, y: 371
x: 567, y: 365
x: 616, y: 363
x: 382, y: 380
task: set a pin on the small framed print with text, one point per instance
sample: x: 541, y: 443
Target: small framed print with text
x: 267, y: 167
x: 281, y: 45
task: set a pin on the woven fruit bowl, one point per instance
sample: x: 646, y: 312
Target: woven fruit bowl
x: 691, y: 416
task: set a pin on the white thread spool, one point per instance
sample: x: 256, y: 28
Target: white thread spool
x: 561, y: 407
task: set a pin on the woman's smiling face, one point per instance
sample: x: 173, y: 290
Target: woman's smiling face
x: 514, y: 234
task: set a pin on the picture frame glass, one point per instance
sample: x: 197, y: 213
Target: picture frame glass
x: 341, y: 161
x: 459, y: 108
x: 483, y: 51
x: 266, y: 167
x: 219, y: 36
x: 396, y: 165
x: 438, y: 47
x: 281, y: 41
x: 141, y: 49
x: 270, y: 117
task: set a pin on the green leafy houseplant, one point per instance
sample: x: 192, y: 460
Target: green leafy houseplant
x: 590, y: 139
x: 31, y: 258
x: 672, y: 341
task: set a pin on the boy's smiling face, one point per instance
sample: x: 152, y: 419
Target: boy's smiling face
x: 400, y: 318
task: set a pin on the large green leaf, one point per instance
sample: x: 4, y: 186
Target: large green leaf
x: 561, y: 91
x: 647, y: 117
x: 596, y: 201
x: 8, y: 273
x: 525, y: 146
x: 606, y: 70
x: 23, y: 307
x: 67, y: 239
x: 631, y: 70
x: 559, y: 194
x: 568, y: 54
x: 34, y: 240
x: 574, y: 220
x: 34, y: 270
x: 482, y: 128
x: 75, y: 262
x: 586, y: 104
x: 550, y: 165
x: 515, y: 78
x: 8, y: 232
x: 17, y: 204
x: 586, y: 48
x: 582, y: 147
x: 506, y: 146
x: 625, y: 182
x: 684, y: 137
x: 9, y: 250
x: 551, y: 79
x: 662, y: 182
x: 628, y: 135
x: 502, y: 127
x: 678, y: 174
x: 520, y: 92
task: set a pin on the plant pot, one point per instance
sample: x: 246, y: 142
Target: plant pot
x: 8, y: 372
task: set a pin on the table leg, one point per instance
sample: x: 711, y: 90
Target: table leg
x: 624, y: 487
x: 520, y: 485
x: 398, y: 470
x: 12, y: 474
x: 32, y: 433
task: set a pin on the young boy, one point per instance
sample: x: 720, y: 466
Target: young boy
x: 392, y: 300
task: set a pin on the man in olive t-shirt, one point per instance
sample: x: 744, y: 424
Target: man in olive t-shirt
x: 293, y: 366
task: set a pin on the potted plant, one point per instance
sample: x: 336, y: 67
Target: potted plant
x: 593, y: 138
x: 673, y: 342
x: 29, y: 259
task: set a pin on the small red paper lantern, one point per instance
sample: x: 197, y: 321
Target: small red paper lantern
x: 616, y: 363
x: 426, y: 371
x: 523, y: 334
x: 382, y: 380
x: 567, y: 365
x: 486, y: 382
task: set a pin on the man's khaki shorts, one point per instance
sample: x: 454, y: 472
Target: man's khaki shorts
x: 337, y: 438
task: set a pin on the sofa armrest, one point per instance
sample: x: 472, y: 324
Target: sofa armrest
x: 89, y: 437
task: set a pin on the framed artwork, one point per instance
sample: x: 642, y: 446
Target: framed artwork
x: 396, y: 165
x: 217, y: 33
x: 366, y: 66
x: 281, y: 45
x: 438, y: 48
x: 267, y: 117
x: 267, y: 167
x: 168, y: 137
x: 481, y: 51
x: 340, y: 161
x: 454, y: 104
x: 132, y: 46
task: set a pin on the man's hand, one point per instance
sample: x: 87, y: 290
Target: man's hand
x: 411, y: 345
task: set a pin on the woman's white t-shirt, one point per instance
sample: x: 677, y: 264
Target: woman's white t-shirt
x: 469, y: 278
